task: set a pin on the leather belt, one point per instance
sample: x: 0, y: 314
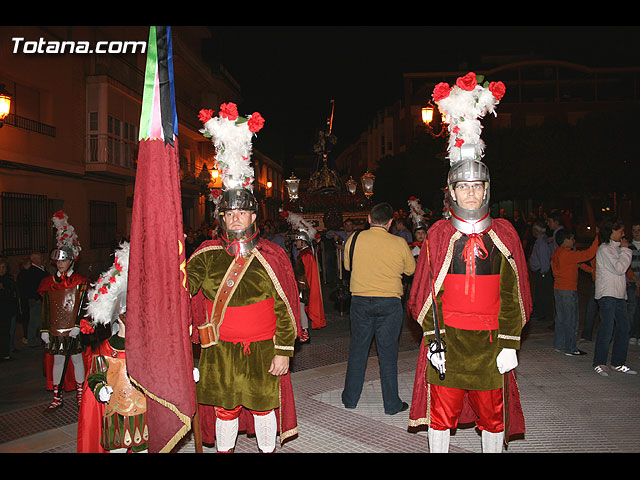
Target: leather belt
x: 210, y: 331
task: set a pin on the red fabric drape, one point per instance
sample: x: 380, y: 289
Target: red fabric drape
x: 160, y: 359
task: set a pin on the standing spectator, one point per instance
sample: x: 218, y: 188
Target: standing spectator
x: 23, y: 299
x: 29, y: 289
x: 540, y: 263
x: 554, y: 222
x: 564, y: 263
x: 8, y: 310
x: 400, y: 229
x: 280, y: 235
x: 612, y: 262
x: 633, y: 285
x: 379, y: 261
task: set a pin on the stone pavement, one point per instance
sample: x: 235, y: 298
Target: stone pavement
x: 568, y: 408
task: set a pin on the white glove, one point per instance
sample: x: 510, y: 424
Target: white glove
x: 45, y: 337
x: 437, y: 359
x: 507, y: 360
x: 74, y: 332
x: 196, y: 375
x: 105, y: 393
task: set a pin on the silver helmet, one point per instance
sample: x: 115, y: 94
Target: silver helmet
x: 242, y: 241
x: 62, y: 253
x: 469, y: 169
x: 302, y: 235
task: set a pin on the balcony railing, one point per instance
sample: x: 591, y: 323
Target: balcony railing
x: 105, y: 149
x: 31, y: 125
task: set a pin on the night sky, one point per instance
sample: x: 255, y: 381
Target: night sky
x: 290, y: 73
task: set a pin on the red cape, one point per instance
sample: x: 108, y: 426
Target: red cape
x: 315, y: 308
x: 438, y: 238
x: 286, y: 414
x: 46, y: 285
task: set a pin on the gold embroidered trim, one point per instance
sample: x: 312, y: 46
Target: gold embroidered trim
x: 285, y: 347
x: 433, y: 332
x: 440, y: 279
x: 183, y: 418
x: 205, y: 249
x: 507, y: 254
x: 279, y: 289
x: 509, y: 337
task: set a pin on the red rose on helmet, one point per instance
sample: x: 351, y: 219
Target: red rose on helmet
x: 468, y: 82
x: 205, y: 115
x: 229, y: 110
x: 441, y: 91
x: 498, y: 89
x: 256, y: 122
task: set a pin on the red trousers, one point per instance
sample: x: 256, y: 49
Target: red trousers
x: 446, y: 406
x: 224, y: 414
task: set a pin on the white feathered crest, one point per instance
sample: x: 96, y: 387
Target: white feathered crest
x: 107, y: 298
x: 416, y: 213
x: 462, y: 107
x: 298, y: 223
x: 66, y: 235
x: 232, y: 135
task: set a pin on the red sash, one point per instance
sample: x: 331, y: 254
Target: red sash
x: 249, y: 323
x: 459, y: 311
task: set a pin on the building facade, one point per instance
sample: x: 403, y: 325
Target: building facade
x: 71, y: 139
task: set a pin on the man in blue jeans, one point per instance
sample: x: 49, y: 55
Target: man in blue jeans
x: 379, y: 261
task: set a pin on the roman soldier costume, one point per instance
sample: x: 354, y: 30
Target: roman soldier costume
x: 307, y: 276
x: 63, y: 294
x: 470, y: 294
x: 113, y: 416
x: 245, y: 306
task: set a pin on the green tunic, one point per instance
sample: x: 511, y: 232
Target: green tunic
x: 229, y: 376
x: 471, y: 354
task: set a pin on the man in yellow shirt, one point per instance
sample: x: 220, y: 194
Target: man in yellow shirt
x: 379, y: 261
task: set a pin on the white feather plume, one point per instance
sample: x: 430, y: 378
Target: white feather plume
x: 299, y: 223
x: 66, y: 235
x: 107, y: 298
x: 233, y: 151
x: 461, y: 110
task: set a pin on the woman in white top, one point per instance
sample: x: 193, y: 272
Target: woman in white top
x: 613, y: 259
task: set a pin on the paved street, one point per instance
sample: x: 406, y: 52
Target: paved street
x: 567, y: 407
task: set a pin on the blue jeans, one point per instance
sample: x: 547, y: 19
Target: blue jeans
x: 590, y: 314
x: 613, y: 314
x: 566, y: 327
x: 380, y: 317
x: 634, y: 312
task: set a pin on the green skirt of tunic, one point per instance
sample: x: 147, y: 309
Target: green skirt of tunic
x: 230, y: 377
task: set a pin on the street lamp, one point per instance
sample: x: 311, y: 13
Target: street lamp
x: 5, y: 104
x: 293, y: 183
x: 367, y: 183
x: 351, y: 186
x: 428, y: 114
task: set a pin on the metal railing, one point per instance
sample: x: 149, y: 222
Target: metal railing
x: 102, y: 148
x: 28, y: 124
